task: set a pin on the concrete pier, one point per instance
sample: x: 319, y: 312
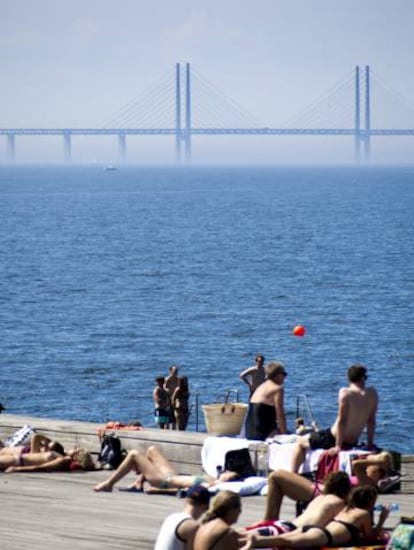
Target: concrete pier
x: 45, y: 511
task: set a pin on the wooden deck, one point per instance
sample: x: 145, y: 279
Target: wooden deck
x: 61, y: 511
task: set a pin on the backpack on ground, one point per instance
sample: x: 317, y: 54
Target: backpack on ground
x: 111, y: 454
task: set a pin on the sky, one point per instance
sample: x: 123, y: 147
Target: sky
x: 73, y: 64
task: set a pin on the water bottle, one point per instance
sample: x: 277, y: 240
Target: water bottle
x: 262, y: 461
x: 393, y: 507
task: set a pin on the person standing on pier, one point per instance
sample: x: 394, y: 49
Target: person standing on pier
x: 162, y: 404
x: 266, y: 413
x: 170, y: 385
x: 255, y: 375
x: 180, y: 403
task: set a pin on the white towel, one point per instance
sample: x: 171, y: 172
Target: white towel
x: 214, y: 451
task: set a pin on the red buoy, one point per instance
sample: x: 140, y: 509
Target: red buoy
x: 299, y: 330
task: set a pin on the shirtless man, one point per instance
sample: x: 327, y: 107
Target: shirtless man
x: 266, y: 414
x: 255, y: 375
x: 162, y: 404
x: 357, y: 408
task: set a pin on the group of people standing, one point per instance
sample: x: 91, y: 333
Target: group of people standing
x: 171, y: 401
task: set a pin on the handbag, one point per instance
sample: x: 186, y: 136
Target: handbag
x: 239, y: 461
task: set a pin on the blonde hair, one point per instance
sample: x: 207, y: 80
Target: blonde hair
x: 222, y: 503
x: 84, y: 459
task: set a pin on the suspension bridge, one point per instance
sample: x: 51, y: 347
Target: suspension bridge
x: 185, y: 105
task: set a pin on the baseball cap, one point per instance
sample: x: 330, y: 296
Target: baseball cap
x: 199, y: 494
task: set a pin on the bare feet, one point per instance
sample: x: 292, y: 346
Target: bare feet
x: 103, y: 487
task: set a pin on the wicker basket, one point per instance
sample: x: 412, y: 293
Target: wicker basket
x: 224, y: 419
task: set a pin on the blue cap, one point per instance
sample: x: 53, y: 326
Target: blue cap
x: 199, y: 494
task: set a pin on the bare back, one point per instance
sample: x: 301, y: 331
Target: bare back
x: 358, y: 517
x: 320, y: 511
x: 357, y: 407
x: 266, y: 393
x: 216, y: 535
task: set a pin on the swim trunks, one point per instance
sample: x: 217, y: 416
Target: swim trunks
x: 324, y: 439
x: 260, y: 421
x: 162, y: 416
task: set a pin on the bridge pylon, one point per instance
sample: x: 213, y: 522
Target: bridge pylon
x: 67, y: 147
x: 183, y: 127
x: 11, y: 148
x: 362, y: 136
x: 121, y: 148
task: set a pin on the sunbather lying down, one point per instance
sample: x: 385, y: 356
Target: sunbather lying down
x: 154, y: 467
x: 43, y: 455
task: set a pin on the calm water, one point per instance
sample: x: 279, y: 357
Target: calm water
x: 110, y: 277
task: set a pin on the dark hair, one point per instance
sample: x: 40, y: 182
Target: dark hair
x: 363, y: 497
x: 356, y: 373
x: 160, y: 379
x: 183, y: 383
x: 57, y: 447
x: 337, y: 483
x: 260, y: 358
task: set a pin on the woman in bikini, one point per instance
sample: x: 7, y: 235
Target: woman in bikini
x: 46, y: 461
x: 368, y: 470
x: 179, y: 401
x: 216, y: 531
x: 352, y: 526
x: 154, y: 468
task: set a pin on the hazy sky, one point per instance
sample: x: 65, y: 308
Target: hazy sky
x: 75, y: 63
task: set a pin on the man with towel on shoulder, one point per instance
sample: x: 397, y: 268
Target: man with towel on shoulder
x: 266, y: 414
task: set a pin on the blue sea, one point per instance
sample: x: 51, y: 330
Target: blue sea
x: 109, y: 277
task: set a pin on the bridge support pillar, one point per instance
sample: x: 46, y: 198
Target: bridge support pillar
x: 178, y: 136
x: 367, y: 138
x: 187, y: 115
x: 121, y: 148
x: 67, y: 148
x: 357, y: 142
x: 11, y: 148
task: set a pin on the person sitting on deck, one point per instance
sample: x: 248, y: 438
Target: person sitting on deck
x: 216, y: 529
x: 353, y: 525
x: 178, y: 529
x: 51, y: 460
x: 369, y: 470
x: 323, y: 506
x: 357, y: 408
x: 154, y: 467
